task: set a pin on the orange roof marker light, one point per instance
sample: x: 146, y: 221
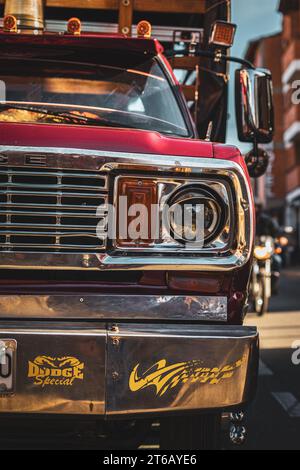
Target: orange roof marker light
x: 74, y: 26
x: 222, y: 34
x: 10, y: 24
x: 144, y: 29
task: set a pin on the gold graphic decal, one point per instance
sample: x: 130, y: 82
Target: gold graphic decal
x: 55, y: 371
x: 164, y: 377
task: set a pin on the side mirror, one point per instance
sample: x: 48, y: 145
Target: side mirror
x: 254, y: 105
x: 257, y: 161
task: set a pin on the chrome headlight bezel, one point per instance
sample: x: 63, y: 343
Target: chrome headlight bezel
x: 167, y: 188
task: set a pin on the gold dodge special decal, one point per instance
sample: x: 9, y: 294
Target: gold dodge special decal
x: 164, y: 377
x: 57, y: 371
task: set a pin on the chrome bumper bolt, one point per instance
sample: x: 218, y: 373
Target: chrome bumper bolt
x: 237, y: 428
x: 237, y: 417
x: 237, y: 434
x: 116, y: 341
x: 3, y: 388
x: 115, y: 376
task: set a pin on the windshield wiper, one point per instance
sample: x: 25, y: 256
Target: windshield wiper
x: 63, y: 114
x: 48, y: 112
x: 101, y: 121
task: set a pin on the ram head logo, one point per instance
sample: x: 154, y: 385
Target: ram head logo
x: 55, y: 371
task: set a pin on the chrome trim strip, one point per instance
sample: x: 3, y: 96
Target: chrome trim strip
x: 119, y: 307
x: 86, y: 160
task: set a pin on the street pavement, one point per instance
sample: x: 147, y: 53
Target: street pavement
x: 274, y: 420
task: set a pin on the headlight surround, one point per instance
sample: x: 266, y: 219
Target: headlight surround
x: 196, y: 214
x: 216, y: 194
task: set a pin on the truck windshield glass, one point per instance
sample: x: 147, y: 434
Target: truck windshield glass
x: 52, y: 92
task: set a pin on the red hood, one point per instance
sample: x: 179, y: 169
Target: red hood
x: 110, y: 139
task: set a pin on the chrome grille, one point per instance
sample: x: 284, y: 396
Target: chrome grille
x: 45, y: 210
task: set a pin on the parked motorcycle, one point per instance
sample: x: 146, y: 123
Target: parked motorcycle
x: 261, y: 283
x: 266, y: 271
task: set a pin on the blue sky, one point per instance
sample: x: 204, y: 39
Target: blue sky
x: 255, y: 18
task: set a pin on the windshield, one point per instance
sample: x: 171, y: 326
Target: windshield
x: 55, y: 92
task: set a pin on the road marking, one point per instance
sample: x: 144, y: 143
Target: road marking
x: 264, y: 370
x: 288, y: 402
x: 149, y: 447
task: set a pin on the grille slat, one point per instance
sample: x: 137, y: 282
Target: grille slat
x: 52, y: 173
x: 52, y: 210
x: 50, y: 214
x: 48, y: 234
x: 50, y: 193
x: 26, y: 233
x: 86, y: 228
x: 61, y: 207
x: 60, y: 187
x: 50, y: 247
x: 55, y: 174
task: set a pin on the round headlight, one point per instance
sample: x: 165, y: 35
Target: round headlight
x: 196, y: 214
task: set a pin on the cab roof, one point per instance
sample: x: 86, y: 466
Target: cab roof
x: 85, y: 40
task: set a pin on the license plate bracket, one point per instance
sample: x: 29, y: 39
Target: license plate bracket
x: 8, y: 350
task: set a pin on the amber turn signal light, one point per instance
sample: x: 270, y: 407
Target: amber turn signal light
x: 144, y: 29
x: 222, y: 34
x: 10, y: 23
x: 74, y: 26
x: 136, y: 216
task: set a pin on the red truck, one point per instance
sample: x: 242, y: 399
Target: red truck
x: 111, y: 319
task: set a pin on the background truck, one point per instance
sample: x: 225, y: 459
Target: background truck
x: 101, y: 332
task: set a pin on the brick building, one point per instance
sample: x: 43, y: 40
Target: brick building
x: 280, y: 188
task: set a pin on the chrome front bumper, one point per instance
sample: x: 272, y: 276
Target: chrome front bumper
x: 126, y: 369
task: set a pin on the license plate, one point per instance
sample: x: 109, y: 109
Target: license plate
x: 8, y: 349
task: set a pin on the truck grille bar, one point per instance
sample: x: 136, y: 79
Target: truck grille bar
x: 52, y: 210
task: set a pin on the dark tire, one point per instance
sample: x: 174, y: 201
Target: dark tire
x: 261, y: 301
x: 194, y: 432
